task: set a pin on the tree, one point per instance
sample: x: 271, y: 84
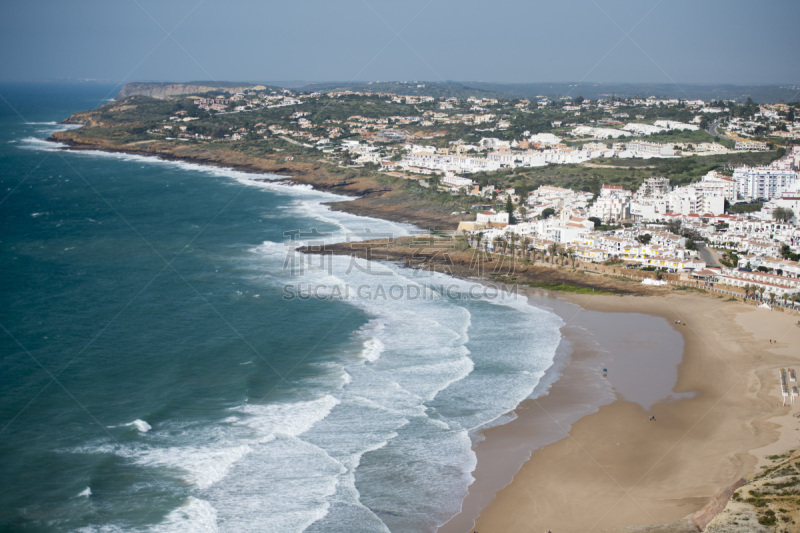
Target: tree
x: 510, y: 210
x: 571, y: 254
x: 597, y: 221
x: 782, y: 214
x: 497, y: 242
x: 479, y: 238
x: 548, y: 212
x: 644, y: 239
x: 526, y: 244
x: 553, y: 250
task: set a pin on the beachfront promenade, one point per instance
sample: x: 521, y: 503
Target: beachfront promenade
x: 677, y: 280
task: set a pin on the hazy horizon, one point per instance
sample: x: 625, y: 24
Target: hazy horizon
x: 585, y: 41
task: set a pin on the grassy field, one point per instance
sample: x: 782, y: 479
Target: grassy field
x: 564, y: 287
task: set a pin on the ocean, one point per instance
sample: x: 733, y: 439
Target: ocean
x: 169, y: 363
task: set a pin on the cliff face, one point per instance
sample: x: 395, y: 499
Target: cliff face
x: 165, y: 90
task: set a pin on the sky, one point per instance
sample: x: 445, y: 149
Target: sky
x: 635, y: 41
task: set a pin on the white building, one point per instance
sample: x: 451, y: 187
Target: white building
x: 655, y: 186
x: 728, y: 184
x: 492, y: 217
x: 452, y: 180
x: 598, y: 133
x: 757, y: 146
x: 673, y: 125
x: 647, y: 149
x: 695, y: 199
x: 642, y: 129
x: 764, y: 182
x: 787, y: 200
x: 613, y: 204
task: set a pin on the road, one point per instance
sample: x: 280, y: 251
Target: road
x: 712, y: 129
x: 710, y: 257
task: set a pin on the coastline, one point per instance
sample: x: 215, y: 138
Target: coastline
x: 616, y: 469
x: 577, y: 388
x: 648, y: 503
x: 370, y: 196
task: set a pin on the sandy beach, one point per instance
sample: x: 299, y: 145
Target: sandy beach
x: 600, y: 463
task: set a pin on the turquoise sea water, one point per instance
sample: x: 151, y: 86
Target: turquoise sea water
x: 169, y: 364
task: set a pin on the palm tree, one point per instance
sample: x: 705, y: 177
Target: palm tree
x: 772, y: 297
x: 526, y: 244
x: 497, y: 242
x: 554, y: 250
x: 761, y: 292
x: 747, y: 289
x: 571, y: 254
x: 479, y: 238
x: 513, y: 239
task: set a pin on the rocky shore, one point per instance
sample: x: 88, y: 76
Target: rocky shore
x: 375, y: 195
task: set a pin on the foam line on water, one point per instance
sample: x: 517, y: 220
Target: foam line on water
x: 286, y: 419
x: 194, y: 515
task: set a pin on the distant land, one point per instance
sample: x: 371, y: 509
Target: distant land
x: 763, y: 94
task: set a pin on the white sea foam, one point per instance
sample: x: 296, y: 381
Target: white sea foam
x: 35, y: 143
x: 286, y: 419
x: 85, y: 492
x: 101, y: 529
x: 284, y: 485
x: 205, y: 465
x: 372, y: 349
x: 140, y: 425
x: 194, y: 515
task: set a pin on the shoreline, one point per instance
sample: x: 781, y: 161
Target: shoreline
x: 617, y: 469
x: 370, y: 196
x: 507, y: 504
x: 579, y: 389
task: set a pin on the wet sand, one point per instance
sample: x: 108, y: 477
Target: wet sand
x: 599, y: 463
x: 574, y: 387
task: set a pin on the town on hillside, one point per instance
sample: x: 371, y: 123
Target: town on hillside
x: 710, y: 189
